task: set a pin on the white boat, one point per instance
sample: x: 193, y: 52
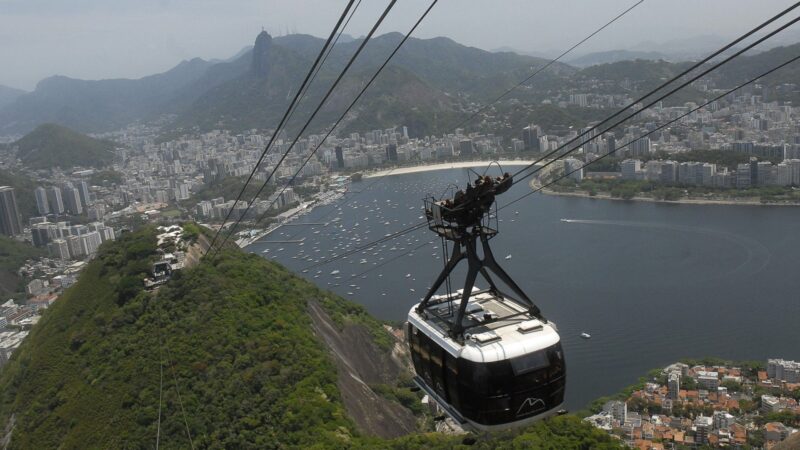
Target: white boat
x: 408, y: 275
x: 508, y: 256
x: 586, y: 335
x: 335, y: 272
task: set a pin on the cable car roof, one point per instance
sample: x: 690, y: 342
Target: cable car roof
x: 492, y: 341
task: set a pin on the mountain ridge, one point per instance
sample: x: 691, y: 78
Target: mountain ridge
x: 206, y: 95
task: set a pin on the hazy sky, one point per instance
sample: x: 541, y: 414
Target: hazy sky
x: 131, y: 38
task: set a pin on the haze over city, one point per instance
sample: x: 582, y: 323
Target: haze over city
x: 96, y: 39
x: 514, y: 224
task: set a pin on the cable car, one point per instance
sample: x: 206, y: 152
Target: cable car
x: 487, y: 357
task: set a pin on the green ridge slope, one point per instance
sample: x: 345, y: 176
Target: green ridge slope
x: 12, y: 255
x: 51, y: 145
x: 246, y: 367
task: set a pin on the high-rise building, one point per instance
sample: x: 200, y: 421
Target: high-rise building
x: 674, y: 385
x: 669, y: 172
x: 391, y: 152
x: 744, y: 177
x: 794, y: 167
x: 617, y: 409
x: 10, y: 224
x: 631, y: 169
x: 764, y: 175
x: 96, y: 212
x: 530, y: 137
x: 83, y: 190
x: 54, y: 200
x: 41, y: 201
x: 58, y: 248
x: 339, y: 157
x: 611, y: 144
x: 76, y: 249
x: 640, y: 147
x: 573, y: 168
x: 40, y: 234
x: 90, y: 242
x: 703, y: 426
x: 72, y: 199
x: 465, y: 147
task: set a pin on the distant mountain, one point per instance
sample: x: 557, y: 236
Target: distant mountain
x: 690, y: 47
x: 612, y: 56
x: 535, y: 54
x: 746, y: 67
x: 440, y: 62
x: 90, y: 106
x: 242, y: 93
x: 51, y: 145
x: 428, y: 86
x: 419, y: 89
x: 8, y: 95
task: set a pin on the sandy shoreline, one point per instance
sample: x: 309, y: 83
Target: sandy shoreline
x: 442, y: 166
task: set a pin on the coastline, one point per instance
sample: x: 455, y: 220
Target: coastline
x: 683, y: 201
x: 442, y: 166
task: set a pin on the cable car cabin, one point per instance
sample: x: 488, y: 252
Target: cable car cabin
x: 504, y: 373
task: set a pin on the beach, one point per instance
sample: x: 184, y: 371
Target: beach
x: 442, y: 166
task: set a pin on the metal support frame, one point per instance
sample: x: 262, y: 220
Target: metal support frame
x: 465, y: 247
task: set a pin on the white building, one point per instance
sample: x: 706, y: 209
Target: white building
x: 631, y: 169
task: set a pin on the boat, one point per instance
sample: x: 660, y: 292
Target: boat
x: 586, y: 335
x: 335, y: 272
x: 508, y: 256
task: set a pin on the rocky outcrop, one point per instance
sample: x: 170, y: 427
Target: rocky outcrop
x: 361, y: 363
x: 261, y: 54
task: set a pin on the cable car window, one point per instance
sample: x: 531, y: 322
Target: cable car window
x: 528, y: 363
x: 556, y: 362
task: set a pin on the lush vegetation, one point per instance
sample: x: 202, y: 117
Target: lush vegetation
x: 51, y: 145
x: 628, y: 189
x: 12, y: 255
x: 242, y: 367
x: 106, y: 178
x: 23, y: 192
x: 228, y: 188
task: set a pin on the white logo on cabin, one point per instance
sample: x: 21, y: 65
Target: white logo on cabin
x: 530, y: 405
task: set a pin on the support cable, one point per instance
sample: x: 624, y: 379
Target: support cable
x: 752, y: 80
x: 283, y: 120
x: 713, y: 67
x: 663, y: 85
x: 310, y: 119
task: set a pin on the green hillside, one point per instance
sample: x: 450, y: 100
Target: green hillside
x: 243, y: 367
x: 12, y: 255
x: 51, y: 145
x: 227, y: 188
x: 23, y: 192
